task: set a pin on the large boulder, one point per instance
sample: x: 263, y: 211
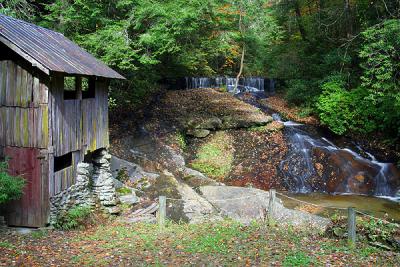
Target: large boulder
x: 248, y: 204
x: 245, y: 120
x: 132, y: 171
x: 195, y: 178
x: 183, y: 203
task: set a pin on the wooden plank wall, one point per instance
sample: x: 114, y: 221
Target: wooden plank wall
x: 63, y: 179
x: 32, y: 116
x: 30, y: 210
x: 79, y: 124
x: 23, y: 108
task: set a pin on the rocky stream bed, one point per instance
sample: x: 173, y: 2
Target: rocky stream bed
x: 188, y: 140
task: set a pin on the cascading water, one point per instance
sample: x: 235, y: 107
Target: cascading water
x: 314, y: 164
x: 246, y: 84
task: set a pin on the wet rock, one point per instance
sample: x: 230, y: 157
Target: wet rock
x: 345, y: 172
x: 248, y: 204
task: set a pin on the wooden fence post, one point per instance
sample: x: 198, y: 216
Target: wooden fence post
x: 271, y: 206
x: 162, y: 211
x: 351, y: 226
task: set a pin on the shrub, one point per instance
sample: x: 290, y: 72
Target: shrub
x: 74, y: 218
x: 302, y: 92
x: 343, y: 110
x: 376, y: 232
x: 11, y: 188
x: 123, y: 175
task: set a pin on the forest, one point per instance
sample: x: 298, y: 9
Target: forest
x: 337, y: 59
x: 302, y: 175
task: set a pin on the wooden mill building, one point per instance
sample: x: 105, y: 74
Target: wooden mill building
x: 53, y: 111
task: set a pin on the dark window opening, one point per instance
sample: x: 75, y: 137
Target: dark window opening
x: 90, y: 155
x: 88, y: 88
x: 70, y: 88
x: 62, y: 162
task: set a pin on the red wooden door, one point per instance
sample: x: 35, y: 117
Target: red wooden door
x: 27, y: 211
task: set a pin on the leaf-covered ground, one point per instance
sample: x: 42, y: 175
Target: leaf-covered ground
x: 220, y: 244
x: 278, y: 104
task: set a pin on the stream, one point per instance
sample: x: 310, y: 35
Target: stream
x: 319, y: 170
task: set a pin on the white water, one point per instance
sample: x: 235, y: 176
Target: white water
x: 300, y: 172
x: 246, y: 84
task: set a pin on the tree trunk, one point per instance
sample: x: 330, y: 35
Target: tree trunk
x: 349, y: 23
x: 240, y: 71
x: 235, y: 89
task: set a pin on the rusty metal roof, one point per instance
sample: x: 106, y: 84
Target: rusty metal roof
x: 50, y: 50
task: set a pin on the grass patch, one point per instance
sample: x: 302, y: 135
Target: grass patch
x: 180, y: 139
x: 215, y: 157
x: 297, y: 258
x: 124, y: 191
x: 261, y: 129
x: 206, y: 244
x: 6, y: 244
x: 39, y: 234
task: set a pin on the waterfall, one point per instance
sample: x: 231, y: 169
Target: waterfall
x: 353, y: 172
x: 246, y: 84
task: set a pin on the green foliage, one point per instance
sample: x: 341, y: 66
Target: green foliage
x: 301, y: 92
x: 344, y: 110
x: 376, y: 232
x: 215, y: 157
x: 298, y: 258
x: 180, y: 138
x: 216, y: 240
x: 74, y: 218
x: 123, y: 175
x: 39, y: 234
x: 381, y: 53
x: 5, y: 244
x: 124, y: 191
x: 21, y: 9
x: 11, y: 188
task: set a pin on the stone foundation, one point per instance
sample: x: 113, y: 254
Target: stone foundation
x: 94, y: 184
x: 103, y: 182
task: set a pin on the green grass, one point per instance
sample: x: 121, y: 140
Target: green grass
x: 6, y: 244
x: 215, y: 157
x: 39, y: 234
x: 297, y: 258
x: 223, y: 243
x: 180, y: 139
x: 262, y: 129
x: 124, y: 191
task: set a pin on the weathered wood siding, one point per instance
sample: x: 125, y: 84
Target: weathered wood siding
x: 63, y: 179
x: 36, y: 125
x: 32, y: 209
x: 95, y: 119
x: 24, y: 113
x: 80, y: 124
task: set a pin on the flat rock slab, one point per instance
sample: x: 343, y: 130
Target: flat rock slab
x: 133, y: 171
x: 248, y: 204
